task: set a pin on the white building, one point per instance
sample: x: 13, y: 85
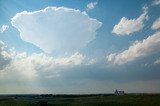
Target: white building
x: 119, y: 92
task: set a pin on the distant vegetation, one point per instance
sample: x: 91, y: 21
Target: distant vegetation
x: 80, y: 100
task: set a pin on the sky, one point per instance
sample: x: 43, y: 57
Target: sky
x: 79, y: 46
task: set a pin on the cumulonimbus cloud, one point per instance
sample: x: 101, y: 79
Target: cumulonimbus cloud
x: 138, y: 50
x: 128, y: 26
x: 56, y: 29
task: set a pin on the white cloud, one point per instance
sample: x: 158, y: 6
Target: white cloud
x: 56, y: 29
x: 128, y: 26
x: 3, y: 28
x: 156, y: 2
x: 38, y: 65
x: 38, y: 72
x: 26, y: 72
x: 30, y: 67
x: 157, y: 61
x: 139, y: 49
x: 156, y: 24
x: 91, y: 5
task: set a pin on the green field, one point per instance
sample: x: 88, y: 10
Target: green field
x: 126, y: 100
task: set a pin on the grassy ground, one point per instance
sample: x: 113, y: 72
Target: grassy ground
x: 127, y: 100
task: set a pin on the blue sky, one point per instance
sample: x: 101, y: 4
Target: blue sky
x: 79, y: 46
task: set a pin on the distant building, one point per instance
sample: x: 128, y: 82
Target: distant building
x: 119, y: 92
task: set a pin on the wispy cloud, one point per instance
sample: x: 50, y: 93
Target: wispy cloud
x: 157, y: 61
x: 156, y: 2
x: 128, y: 26
x: 91, y: 5
x: 3, y: 28
x: 156, y: 24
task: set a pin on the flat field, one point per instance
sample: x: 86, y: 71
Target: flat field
x: 125, y: 100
